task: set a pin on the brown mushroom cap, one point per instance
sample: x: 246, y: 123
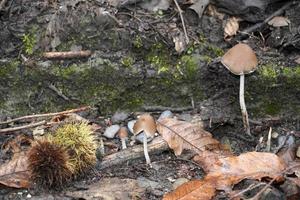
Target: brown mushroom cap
x: 145, y: 123
x: 123, y: 133
x: 240, y: 59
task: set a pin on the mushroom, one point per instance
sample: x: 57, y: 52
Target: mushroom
x: 241, y: 60
x: 147, y: 124
x: 123, y: 135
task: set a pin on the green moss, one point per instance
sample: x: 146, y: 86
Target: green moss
x: 29, y: 41
x: 269, y: 72
x: 271, y: 108
x: 216, y: 51
x: 127, y: 61
x: 137, y: 42
x: 159, y: 58
x: 188, y: 66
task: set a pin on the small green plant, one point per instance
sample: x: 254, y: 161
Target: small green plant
x: 29, y: 42
x: 127, y: 61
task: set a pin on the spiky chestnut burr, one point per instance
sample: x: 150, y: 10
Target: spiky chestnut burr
x: 49, y: 164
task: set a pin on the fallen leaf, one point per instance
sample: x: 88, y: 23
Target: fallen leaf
x: 279, y: 21
x: 15, y: 172
x: 212, y: 11
x: 199, y: 6
x: 224, y: 172
x: 182, y: 135
x: 180, y: 44
x: 231, y: 27
x: 192, y: 190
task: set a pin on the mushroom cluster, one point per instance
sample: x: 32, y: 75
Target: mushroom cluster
x: 241, y: 60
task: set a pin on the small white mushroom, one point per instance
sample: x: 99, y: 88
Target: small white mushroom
x: 241, y: 60
x: 147, y: 124
x: 123, y: 135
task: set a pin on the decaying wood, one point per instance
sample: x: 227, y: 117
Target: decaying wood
x: 157, y: 146
x: 67, y: 54
x: 45, y: 115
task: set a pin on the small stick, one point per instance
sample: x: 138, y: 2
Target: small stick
x: 6, y: 130
x: 59, y: 93
x: 182, y: 21
x: 45, y: 115
x: 163, y: 108
x: 67, y: 54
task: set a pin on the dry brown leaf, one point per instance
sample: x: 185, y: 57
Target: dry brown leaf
x: 231, y: 27
x: 211, y: 10
x: 199, y: 6
x: 15, y: 172
x: 193, y: 190
x: 279, y: 21
x: 182, y: 135
x: 227, y: 171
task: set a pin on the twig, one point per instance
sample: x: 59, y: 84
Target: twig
x: 253, y: 28
x: 46, y: 115
x: 59, y: 93
x: 6, y: 130
x: 3, y: 2
x: 67, y: 54
x: 251, y: 187
x: 163, y: 108
x: 256, y: 197
x: 182, y: 21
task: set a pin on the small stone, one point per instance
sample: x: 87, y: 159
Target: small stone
x: 130, y: 125
x: 28, y: 196
x: 111, y: 131
x: 281, y: 140
x: 140, y: 137
x: 119, y: 116
x: 157, y: 193
x: 290, y: 140
x: 275, y: 135
x: 179, y: 182
x: 298, y: 152
x: 165, y: 114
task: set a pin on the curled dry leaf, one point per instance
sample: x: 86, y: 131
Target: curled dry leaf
x: 182, y: 135
x: 199, y: 6
x: 231, y: 27
x: 15, y: 172
x: 279, y: 21
x: 211, y: 10
x: 224, y: 172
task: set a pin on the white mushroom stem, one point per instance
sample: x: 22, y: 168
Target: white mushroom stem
x: 148, y: 161
x: 123, y: 141
x: 243, y: 105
